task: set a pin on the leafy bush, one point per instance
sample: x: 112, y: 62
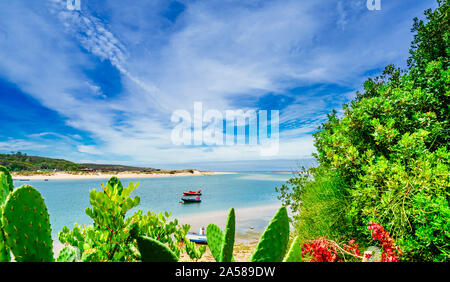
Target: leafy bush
x: 389, y: 152
x: 159, y: 227
x: 110, y: 238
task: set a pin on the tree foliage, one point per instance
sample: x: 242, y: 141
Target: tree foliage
x: 390, y: 149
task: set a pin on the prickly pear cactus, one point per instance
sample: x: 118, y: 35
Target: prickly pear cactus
x: 69, y: 254
x: 5, y: 187
x: 4, y: 191
x: 273, y: 243
x: 26, y: 225
x: 295, y: 252
x: 4, y: 250
x: 214, y: 237
x: 226, y: 253
x: 9, y: 180
x: 154, y: 251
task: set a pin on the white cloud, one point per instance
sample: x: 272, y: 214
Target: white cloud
x: 213, y: 54
x: 20, y: 145
x: 89, y: 150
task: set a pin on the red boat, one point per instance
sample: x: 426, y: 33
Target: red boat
x: 193, y: 193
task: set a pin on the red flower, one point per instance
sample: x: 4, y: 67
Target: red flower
x: 390, y: 251
x: 321, y: 250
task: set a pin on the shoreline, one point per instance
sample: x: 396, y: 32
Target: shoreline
x: 250, y: 223
x: 107, y: 175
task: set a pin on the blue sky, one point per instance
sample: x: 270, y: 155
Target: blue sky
x: 100, y: 84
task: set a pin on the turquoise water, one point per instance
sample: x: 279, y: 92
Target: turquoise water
x: 67, y: 199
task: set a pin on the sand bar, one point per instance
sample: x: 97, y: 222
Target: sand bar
x: 106, y: 175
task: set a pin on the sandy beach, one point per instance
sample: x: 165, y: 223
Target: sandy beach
x: 107, y: 175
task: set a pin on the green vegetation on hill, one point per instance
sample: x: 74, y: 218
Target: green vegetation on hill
x: 21, y: 162
x: 386, y: 160
x: 16, y: 162
x: 109, y: 167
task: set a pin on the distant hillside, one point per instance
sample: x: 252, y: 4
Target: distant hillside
x: 22, y: 162
x: 16, y: 162
x: 108, y: 167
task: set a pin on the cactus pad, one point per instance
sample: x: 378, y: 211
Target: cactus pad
x: 4, y: 250
x: 9, y: 179
x: 26, y: 225
x: 273, y: 243
x: 214, y: 237
x: 226, y: 254
x: 154, y: 251
x: 295, y: 252
x: 4, y: 187
x: 69, y: 254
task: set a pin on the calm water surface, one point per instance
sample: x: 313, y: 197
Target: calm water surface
x: 67, y: 199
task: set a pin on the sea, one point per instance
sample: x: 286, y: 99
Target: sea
x: 67, y: 200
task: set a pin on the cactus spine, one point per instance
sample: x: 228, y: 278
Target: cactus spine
x: 26, y: 225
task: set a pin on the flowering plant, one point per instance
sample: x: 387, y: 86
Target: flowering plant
x: 391, y: 252
x: 325, y: 250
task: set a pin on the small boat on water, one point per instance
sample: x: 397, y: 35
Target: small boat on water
x: 196, y: 238
x: 191, y: 200
x: 199, y: 238
x: 193, y: 193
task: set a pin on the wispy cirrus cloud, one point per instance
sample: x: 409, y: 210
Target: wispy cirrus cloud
x: 216, y: 52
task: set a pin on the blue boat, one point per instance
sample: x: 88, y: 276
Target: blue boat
x: 191, y: 200
x: 196, y: 238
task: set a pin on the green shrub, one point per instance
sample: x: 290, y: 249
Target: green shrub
x: 321, y: 205
x: 389, y: 155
